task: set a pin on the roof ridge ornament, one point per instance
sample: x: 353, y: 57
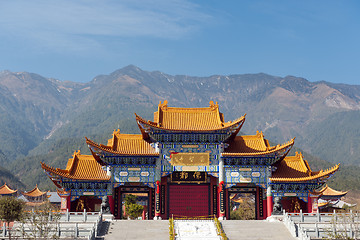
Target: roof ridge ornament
x: 213, y: 105
x: 77, y: 152
x: 163, y: 106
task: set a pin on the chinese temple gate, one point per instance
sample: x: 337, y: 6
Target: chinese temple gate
x: 189, y: 162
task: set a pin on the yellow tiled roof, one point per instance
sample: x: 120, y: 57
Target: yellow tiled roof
x: 36, y: 192
x: 252, y: 145
x: 81, y: 167
x: 296, y: 169
x: 126, y: 144
x: 189, y: 119
x: 5, y: 189
x: 328, y: 191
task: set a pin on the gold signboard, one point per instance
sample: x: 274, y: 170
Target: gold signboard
x: 189, y: 177
x: 190, y: 159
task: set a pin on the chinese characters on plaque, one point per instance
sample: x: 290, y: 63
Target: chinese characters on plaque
x: 188, y: 177
x: 190, y: 159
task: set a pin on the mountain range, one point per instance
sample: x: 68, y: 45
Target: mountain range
x: 44, y: 119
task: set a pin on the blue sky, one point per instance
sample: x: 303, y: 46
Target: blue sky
x: 76, y: 40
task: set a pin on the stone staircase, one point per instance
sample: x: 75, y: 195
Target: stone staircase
x: 234, y: 229
x: 138, y: 229
x: 256, y: 230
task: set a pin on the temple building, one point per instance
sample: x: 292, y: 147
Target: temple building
x: 189, y: 162
x: 6, y: 191
x: 331, y: 199
x: 35, y: 197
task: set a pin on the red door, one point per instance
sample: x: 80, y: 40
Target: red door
x: 188, y: 200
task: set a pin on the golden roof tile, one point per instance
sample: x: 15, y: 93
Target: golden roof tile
x: 36, y: 192
x: 126, y: 144
x: 80, y: 167
x: 296, y: 169
x: 252, y: 145
x: 189, y: 119
x: 5, y: 190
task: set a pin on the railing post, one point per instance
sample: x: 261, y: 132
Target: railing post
x: 85, y: 216
x: 67, y: 215
x: 317, y: 230
x: 4, y: 230
x: 76, y: 230
x: 59, y: 231
x: 301, y: 216
x: 318, y: 216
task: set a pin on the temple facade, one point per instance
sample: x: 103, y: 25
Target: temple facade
x: 189, y: 162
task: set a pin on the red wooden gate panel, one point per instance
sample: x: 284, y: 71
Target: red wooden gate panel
x: 189, y: 200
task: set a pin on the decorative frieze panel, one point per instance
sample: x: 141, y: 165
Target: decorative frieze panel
x: 191, y: 137
x: 78, y: 189
x: 266, y: 160
x: 84, y: 185
x: 134, y: 174
x: 301, y: 195
x: 244, y: 174
x: 129, y: 160
x: 294, y: 187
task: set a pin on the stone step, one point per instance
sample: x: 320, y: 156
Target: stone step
x: 234, y: 229
x: 256, y: 230
x: 138, y: 229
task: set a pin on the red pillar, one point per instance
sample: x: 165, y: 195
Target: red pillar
x: 264, y: 209
x: 157, y: 202
x: 309, y: 204
x: 111, y: 203
x: 221, y: 200
x: 68, y: 199
x: 269, y: 201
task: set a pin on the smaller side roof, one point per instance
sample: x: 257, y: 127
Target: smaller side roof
x: 252, y: 145
x: 80, y: 167
x: 127, y: 144
x: 6, y: 190
x: 328, y: 193
x: 296, y: 169
x: 36, y: 192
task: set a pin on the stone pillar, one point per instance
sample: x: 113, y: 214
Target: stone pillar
x: 312, y: 203
x: 222, y: 201
x: 65, y: 203
x: 269, y: 201
x: 157, y: 202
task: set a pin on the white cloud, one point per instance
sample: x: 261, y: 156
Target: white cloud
x: 78, y: 24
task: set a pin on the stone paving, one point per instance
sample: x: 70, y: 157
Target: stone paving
x: 195, y: 229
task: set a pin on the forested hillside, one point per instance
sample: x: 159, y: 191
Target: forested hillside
x: 46, y: 120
